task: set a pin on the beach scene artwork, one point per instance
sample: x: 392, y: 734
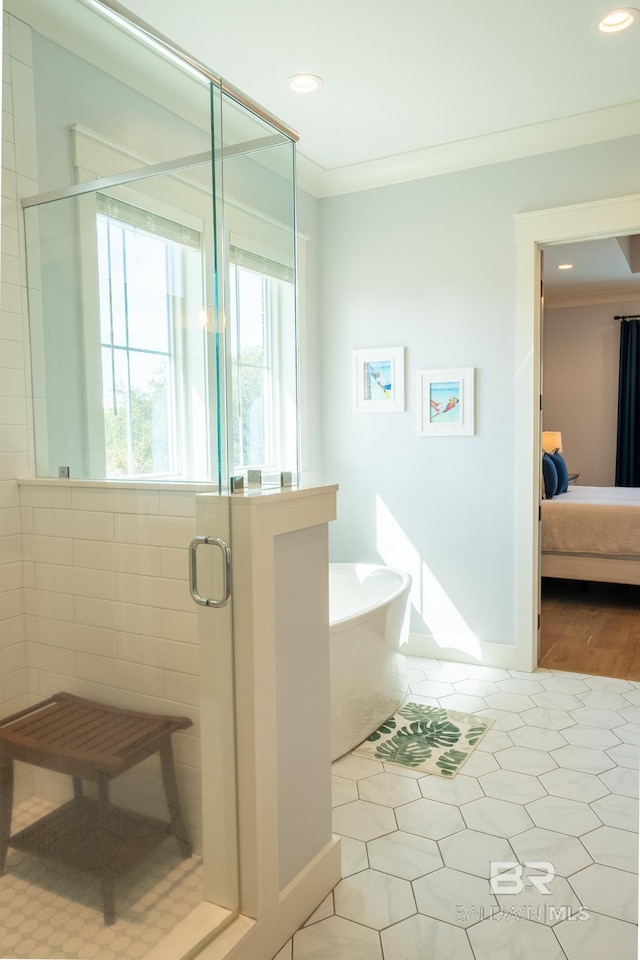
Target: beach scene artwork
x: 378, y: 380
x: 445, y: 401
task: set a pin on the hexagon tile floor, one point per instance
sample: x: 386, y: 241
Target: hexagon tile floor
x: 554, y: 781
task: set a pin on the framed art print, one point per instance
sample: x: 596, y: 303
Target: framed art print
x: 446, y: 402
x: 378, y: 380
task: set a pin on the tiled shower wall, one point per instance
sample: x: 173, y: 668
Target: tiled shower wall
x: 109, y: 617
x: 19, y: 178
x: 100, y: 606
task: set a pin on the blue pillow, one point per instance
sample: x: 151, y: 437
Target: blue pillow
x: 550, y: 476
x: 563, y: 473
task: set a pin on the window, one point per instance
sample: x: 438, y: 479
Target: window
x: 158, y: 354
x: 142, y: 266
x: 263, y: 362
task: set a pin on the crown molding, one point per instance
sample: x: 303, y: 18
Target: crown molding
x: 73, y: 27
x: 596, y: 126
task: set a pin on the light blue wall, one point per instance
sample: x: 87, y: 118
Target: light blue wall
x: 431, y: 265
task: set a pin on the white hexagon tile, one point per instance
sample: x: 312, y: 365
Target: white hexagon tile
x: 555, y: 781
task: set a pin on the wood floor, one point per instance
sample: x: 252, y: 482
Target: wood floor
x: 591, y: 628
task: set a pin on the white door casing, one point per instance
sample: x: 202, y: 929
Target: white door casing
x: 614, y: 217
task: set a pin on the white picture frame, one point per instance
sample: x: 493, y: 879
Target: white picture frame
x: 378, y: 380
x: 446, y: 405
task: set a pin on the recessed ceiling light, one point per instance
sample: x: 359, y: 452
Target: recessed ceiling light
x: 565, y: 266
x: 617, y: 20
x: 304, y: 83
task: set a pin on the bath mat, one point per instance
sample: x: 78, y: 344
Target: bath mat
x: 429, y: 739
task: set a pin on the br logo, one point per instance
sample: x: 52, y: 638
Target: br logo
x: 507, y: 876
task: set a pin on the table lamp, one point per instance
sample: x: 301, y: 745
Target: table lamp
x: 552, y: 441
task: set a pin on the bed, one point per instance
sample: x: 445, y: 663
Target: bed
x: 592, y: 533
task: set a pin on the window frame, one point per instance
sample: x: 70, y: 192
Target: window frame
x: 248, y: 255
x: 191, y: 460
x: 187, y: 201
x: 175, y: 413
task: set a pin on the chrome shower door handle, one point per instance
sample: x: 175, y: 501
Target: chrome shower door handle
x: 226, y: 571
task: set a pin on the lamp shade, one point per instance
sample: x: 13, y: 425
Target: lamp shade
x: 551, y: 441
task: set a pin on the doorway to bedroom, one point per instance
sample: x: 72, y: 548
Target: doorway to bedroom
x: 589, y: 622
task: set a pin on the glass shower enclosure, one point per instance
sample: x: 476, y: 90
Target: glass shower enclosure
x: 161, y: 268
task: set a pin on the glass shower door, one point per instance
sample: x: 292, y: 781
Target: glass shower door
x: 111, y: 618
x: 124, y: 388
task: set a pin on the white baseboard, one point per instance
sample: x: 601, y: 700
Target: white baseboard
x: 262, y: 939
x: 482, y: 654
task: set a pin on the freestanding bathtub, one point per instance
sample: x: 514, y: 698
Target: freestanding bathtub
x: 368, y: 623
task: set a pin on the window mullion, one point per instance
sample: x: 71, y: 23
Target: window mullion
x: 114, y: 400
x: 268, y: 366
x: 237, y: 360
x: 171, y: 399
x: 127, y: 353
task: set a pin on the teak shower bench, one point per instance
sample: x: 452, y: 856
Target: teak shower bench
x: 96, y: 742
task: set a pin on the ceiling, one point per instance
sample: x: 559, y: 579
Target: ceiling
x: 429, y: 88
x: 420, y: 87
x: 603, y: 271
x: 433, y: 88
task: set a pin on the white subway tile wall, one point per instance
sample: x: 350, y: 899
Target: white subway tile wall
x: 93, y: 580
x: 109, y: 616
x: 18, y: 178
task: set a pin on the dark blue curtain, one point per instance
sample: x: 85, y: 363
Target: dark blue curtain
x: 628, y: 450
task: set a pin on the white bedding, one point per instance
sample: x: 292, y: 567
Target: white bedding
x: 593, y: 521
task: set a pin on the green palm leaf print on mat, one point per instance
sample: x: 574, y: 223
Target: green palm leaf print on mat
x: 429, y: 739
